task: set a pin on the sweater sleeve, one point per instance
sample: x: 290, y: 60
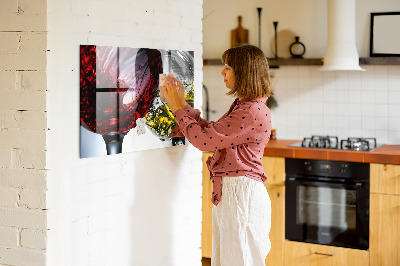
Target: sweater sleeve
x: 231, y: 130
x: 193, y: 113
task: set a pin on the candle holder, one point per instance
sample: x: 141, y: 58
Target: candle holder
x: 259, y: 9
x: 276, y: 38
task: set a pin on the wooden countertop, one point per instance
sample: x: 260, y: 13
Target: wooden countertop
x: 389, y: 154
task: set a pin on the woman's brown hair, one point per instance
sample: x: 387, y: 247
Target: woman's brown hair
x: 250, y: 66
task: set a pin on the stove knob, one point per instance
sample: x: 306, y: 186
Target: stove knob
x: 343, y: 168
x: 308, y: 166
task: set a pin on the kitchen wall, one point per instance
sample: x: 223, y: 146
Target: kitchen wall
x: 306, y: 19
x: 140, y: 208
x: 313, y: 102
x: 23, y: 128
x: 343, y: 103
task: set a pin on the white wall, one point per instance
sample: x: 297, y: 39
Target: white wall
x: 343, y: 104
x: 23, y: 133
x: 141, y: 208
x: 311, y: 102
x: 306, y: 19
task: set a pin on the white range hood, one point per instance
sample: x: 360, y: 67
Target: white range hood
x: 341, y: 51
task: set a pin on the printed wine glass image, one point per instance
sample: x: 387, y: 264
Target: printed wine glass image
x: 120, y: 105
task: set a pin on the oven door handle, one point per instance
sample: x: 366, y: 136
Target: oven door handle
x: 357, y: 185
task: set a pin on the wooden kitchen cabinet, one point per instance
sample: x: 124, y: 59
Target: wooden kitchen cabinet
x: 385, y: 215
x: 305, y: 254
x: 277, y: 233
x: 385, y: 178
x: 384, y: 236
x: 274, y: 168
x: 206, y: 226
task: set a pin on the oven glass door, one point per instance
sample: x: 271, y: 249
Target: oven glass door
x: 326, y: 213
x: 326, y: 207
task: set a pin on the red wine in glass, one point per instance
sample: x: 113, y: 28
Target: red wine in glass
x: 117, y: 86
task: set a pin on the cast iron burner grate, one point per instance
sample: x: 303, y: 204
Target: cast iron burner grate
x: 327, y: 142
x: 332, y: 142
x: 358, y: 144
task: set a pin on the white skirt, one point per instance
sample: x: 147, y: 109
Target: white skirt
x: 241, y: 223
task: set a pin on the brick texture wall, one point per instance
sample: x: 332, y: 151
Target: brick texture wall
x: 23, y: 128
x: 139, y: 208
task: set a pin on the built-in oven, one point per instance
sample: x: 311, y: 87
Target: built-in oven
x: 327, y: 202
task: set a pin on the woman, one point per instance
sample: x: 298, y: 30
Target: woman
x: 242, y: 211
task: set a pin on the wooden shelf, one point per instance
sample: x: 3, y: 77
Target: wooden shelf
x: 380, y: 61
x: 273, y: 63
x: 212, y: 62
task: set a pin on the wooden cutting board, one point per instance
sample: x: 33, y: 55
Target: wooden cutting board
x: 239, y: 35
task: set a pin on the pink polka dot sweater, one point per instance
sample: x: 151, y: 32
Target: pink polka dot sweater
x: 238, y: 139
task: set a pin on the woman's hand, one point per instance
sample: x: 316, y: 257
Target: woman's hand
x: 174, y: 93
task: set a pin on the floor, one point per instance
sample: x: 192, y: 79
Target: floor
x: 206, y: 261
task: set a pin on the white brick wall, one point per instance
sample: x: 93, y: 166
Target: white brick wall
x: 141, y: 208
x: 8, y: 197
x: 23, y: 132
x: 23, y: 178
x: 34, y: 239
x: 100, y: 209
x: 11, y: 256
x: 9, y: 237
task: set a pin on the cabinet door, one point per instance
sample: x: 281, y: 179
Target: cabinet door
x: 384, y: 230
x: 385, y: 178
x: 277, y: 233
x: 304, y: 254
x: 206, y: 232
x: 274, y: 168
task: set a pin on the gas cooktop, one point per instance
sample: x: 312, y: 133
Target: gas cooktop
x: 332, y: 142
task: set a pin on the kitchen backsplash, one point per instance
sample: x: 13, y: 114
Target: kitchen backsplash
x: 314, y: 102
